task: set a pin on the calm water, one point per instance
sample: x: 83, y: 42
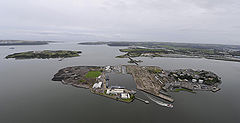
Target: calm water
x: 28, y: 95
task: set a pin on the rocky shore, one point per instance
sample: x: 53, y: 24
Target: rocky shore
x: 76, y: 76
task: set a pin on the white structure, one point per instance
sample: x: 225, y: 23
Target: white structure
x: 200, y: 81
x: 114, y: 91
x: 194, y: 80
x: 99, y: 77
x: 125, y: 95
x: 97, y: 85
x: 107, y: 68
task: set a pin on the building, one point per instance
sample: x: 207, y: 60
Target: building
x: 107, y: 68
x: 116, y: 87
x: 194, y: 80
x: 125, y: 95
x: 200, y: 81
x: 115, y: 91
x: 97, y: 85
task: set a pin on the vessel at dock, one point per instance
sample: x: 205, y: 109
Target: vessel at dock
x: 159, y: 102
x: 145, y: 101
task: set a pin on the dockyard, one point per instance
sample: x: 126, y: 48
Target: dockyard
x: 152, y: 80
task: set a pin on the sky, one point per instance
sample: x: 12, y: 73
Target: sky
x: 189, y: 21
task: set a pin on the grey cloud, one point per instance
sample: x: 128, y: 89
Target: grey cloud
x: 206, y: 21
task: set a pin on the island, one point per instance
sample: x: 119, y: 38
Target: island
x: 45, y: 54
x: 175, y: 50
x: 93, y: 78
x: 22, y: 42
x: 150, y: 79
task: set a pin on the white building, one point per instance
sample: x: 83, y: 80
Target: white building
x: 107, y: 68
x: 200, y: 81
x: 115, y: 91
x: 194, y: 80
x: 97, y: 85
x: 125, y: 95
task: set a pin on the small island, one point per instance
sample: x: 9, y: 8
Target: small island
x: 22, y: 42
x: 150, y: 79
x: 46, y: 54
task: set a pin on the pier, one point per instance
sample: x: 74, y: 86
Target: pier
x: 145, y: 101
x: 133, y: 61
x: 165, y: 97
x: 61, y: 59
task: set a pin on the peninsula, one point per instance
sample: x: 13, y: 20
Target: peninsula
x: 46, y: 54
x: 151, y: 79
x: 175, y: 50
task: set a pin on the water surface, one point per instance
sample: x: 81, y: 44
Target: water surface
x: 28, y: 95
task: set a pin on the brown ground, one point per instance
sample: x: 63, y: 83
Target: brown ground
x: 146, y: 81
x: 76, y: 76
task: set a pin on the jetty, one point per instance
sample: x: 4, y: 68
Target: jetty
x: 159, y: 102
x: 145, y: 101
x: 133, y: 61
x: 165, y: 97
x: 61, y: 59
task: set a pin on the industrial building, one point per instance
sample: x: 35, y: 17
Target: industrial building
x: 125, y: 95
x: 115, y: 91
x: 107, y: 68
x: 97, y: 85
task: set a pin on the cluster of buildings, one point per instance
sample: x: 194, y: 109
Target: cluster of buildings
x: 191, y: 79
x: 118, y: 92
x: 189, y: 75
x: 113, y: 91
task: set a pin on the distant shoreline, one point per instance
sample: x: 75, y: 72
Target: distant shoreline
x: 175, y: 50
x: 22, y: 42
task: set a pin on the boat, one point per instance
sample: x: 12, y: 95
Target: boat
x: 159, y: 102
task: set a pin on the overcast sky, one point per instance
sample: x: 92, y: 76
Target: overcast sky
x: 197, y: 21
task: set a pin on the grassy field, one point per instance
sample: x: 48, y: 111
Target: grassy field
x: 93, y: 74
x: 82, y: 81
